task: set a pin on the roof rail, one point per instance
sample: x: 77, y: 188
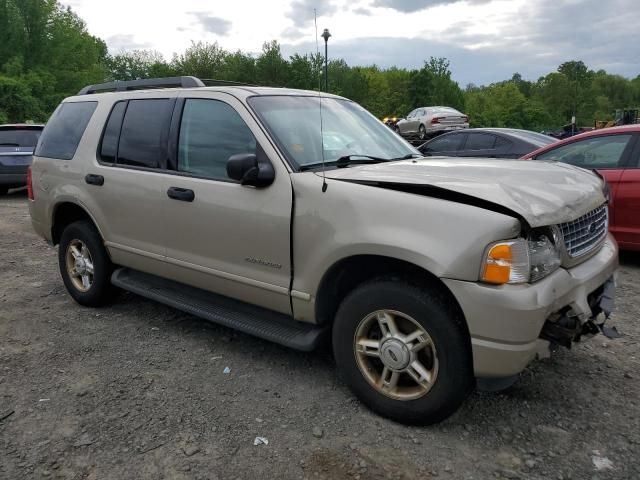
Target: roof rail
x: 214, y: 82
x: 123, y: 86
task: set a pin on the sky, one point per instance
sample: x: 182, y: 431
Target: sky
x: 485, y: 40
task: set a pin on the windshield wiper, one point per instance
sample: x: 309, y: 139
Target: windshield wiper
x: 408, y: 156
x: 9, y: 144
x: 346, y: 160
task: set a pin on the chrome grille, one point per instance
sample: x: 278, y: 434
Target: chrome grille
x: 585, y: 233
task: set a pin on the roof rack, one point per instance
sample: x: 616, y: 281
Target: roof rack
x: 147, y: 83
x: 213, y: 82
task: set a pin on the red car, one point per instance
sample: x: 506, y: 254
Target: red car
x: 615, y: 154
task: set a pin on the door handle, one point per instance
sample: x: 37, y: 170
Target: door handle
x: 182, y: 194
x: 93, y: 179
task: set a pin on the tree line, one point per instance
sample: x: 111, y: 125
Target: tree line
x: 47, y: 54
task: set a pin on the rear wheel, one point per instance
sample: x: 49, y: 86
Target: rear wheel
x: 85, y: 265
x: 422, y: 132
x: 403, y: 351
x: 4, y: 190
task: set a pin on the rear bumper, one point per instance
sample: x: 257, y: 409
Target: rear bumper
x: 13, y: 179
x: 505, y: 321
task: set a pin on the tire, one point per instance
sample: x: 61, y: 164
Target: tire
x: 422, y: 132
x: 446, y: 356
x: 99, y: 290
x: 4, y: 191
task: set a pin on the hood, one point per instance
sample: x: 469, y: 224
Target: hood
x: 543, y: 193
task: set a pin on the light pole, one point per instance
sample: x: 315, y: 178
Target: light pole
x: 326, y: 36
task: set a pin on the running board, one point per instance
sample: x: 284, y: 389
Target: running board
x: 247, y: 318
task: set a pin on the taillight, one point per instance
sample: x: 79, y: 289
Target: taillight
x: 29, y: 185
x: 435, y: 120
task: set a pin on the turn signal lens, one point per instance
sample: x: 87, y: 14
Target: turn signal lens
x: 506, y: 262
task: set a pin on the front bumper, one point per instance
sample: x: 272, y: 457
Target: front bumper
x: 505, y: 321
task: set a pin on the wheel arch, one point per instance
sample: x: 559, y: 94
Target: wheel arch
x: 350, y: 272
x: 65, y: 213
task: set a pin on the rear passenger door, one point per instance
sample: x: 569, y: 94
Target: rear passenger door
x: 227, y: 238
x: 478, y: 145
x: 126, y: 183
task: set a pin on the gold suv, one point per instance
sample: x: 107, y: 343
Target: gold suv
x: 297, y: 217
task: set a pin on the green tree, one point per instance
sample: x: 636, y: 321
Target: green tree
x: 137, y: 64
x: 202, y: 60
x: 271, y: 68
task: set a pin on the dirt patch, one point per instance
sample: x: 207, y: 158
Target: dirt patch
x: 137, y: 390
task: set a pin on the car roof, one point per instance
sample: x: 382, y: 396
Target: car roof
x: 239, y: 91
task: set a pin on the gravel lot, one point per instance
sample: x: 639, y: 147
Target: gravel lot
x: 137, y: 390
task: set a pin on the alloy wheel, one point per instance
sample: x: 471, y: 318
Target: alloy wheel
x: 396, y: 355
x: 79, y: 265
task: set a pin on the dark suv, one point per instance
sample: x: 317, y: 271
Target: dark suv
x: 17, y: 143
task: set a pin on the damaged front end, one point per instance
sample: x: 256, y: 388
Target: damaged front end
x: 565, y: 326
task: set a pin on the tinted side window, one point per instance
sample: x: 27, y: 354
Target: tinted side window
x: 502, y: 142
x: 480, y: 141
x: 109, y: 147
x: 64, y: 130
x: 144, y: 132
x: 445, y: 143
x: 210, y: 132
x: 595, y: 152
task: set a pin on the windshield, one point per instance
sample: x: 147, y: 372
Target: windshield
x: 347, y: 129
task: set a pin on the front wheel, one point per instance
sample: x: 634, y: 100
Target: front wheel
x: 403, y: 351
x: 85, y: 265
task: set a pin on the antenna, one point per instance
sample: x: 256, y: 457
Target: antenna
x: 324, y: 179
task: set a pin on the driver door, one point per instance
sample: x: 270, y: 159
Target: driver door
x: 225, y: 237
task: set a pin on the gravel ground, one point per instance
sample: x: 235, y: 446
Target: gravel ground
x: 138, y: 390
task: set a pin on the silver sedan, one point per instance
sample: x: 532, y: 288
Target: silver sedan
x: 424, y: 122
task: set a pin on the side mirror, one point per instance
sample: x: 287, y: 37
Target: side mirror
x: 248, y: 170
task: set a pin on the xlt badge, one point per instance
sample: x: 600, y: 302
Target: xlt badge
x: 265, y: 263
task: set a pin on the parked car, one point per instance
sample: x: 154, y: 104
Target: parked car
x: 615, y: 154
x: 425, y: 122
x: 391, y: 121
x: 224, y: 202
x: 486, y: 142
x: 17, y: 142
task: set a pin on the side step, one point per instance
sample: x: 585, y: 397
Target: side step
x: 226, y: 311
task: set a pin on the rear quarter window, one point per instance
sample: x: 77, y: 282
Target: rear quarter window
x: 64, y: 130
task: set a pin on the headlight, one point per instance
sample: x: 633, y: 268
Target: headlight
x: 544, y: 257
x: 520, y: 260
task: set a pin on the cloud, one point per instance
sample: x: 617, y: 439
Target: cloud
x: 292, y: 33
x: 126, y: 42
x: 362, y: 11
x: 211, y: 24
x: 409, y: 6
x: 536, y: 52
x: 301, y: 11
